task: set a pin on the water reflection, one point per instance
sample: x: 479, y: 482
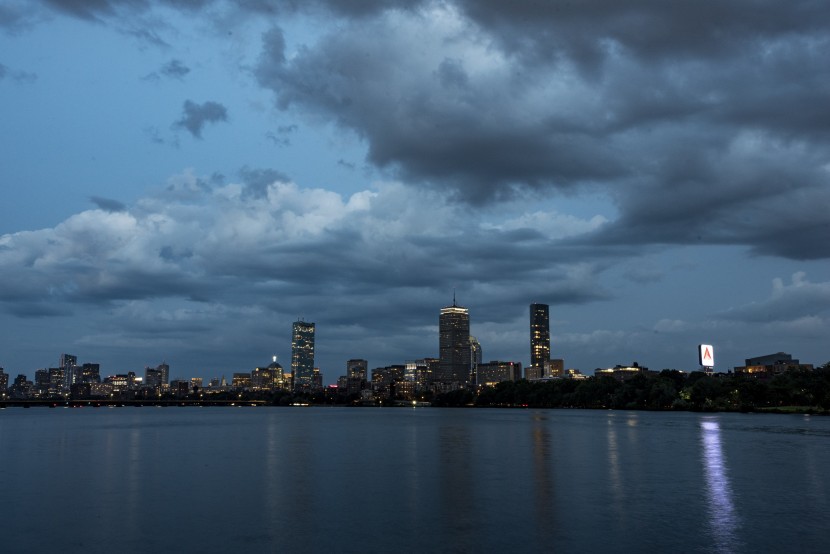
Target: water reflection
x: 543, y: 480
x: 723, y: 521
x: 614, y: 460
x: 456, y: 484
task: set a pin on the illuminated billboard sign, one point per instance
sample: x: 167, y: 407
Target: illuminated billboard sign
x: 706, y: 355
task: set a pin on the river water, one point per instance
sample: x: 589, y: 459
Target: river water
x: 411, y: 480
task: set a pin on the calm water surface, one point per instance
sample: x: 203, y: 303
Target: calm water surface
x: 411, y: 480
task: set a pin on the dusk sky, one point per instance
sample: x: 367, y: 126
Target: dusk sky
x: 183, y: 179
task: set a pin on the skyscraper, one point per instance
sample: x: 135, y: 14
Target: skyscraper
x: 539, y: 337
x: 475, y: 359
x: 302, y: 355
x: 454, y: 350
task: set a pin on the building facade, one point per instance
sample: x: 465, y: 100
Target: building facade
x: 302, y: 355
x: 496, y: 371
x: 454, y: 350
x: 539, y: 337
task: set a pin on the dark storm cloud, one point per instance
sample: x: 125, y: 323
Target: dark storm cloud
x: 693, y: 118
x: 108, y: 204
x: 196, y: 116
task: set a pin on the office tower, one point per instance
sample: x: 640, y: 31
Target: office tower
x: 57, y: 381
x: 165, y: 373
x: 422, y: 372
x: 302, y: 355
x: 41, y: 384
x: 91, y: 373
x: 71, y: 371
x: 357, y: 368
x: 68, y: 360
x: 4, y: 382
x: 475, y: 359
x: 21, y: 387
x: 539, y: 337
x: 454, y: 350
x: 152, y: 379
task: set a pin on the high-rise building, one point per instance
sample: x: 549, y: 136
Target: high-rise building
x: 357, y: 368
x: 91, y: 373
x: 164, y: 369
x: 475, y: 359
x: 71, y: 371
x: 539, y: 337
x: 4, y: 382
x: 152, y: 379
x: 302, y: 355
x: 454, y: 350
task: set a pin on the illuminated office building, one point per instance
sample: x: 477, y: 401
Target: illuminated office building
x: 302, y: 355
x: 539, y: 337
x: 454, y: 350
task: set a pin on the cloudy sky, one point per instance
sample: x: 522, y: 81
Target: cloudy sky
x: 182, y: 179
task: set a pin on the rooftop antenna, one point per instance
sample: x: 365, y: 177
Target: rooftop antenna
x: 453, y: 297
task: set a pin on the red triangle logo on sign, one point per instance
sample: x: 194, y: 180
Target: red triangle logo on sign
x: 707, y: 355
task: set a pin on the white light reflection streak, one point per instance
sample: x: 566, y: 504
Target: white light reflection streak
x: 722, y: 518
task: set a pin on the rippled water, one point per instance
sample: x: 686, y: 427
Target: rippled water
x: 411, y: 480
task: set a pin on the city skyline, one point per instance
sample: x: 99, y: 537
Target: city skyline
x: 458, y: 354
x: 183, y: 180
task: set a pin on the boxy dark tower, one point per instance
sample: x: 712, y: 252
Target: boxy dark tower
x: 539, y: 335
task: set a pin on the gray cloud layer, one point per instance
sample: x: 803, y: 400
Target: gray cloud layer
x: 699, y: 124
x: 704, y: 123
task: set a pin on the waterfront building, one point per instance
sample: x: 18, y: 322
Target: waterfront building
x: 772, y: 364
x: 180, y: 387
x: 153, y: 379
x: 21, y: 387
x: 496, y: 371
x: 164, y: 369
x: 4, y: 382
x: 385, y: 378
x: 268, y: 378
x: 539, y: 338
x: 41, y: 384
x: 454, y: 350
x: 71, y: 371
x: 357, y: 368
x: 57, y: 381
x: 302, y: 355
x: 621, y: 372
x: 239, y: 381
x: 91, y: 373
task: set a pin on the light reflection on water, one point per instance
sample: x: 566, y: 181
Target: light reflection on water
x: 723, y: 520
x: 421, y: 480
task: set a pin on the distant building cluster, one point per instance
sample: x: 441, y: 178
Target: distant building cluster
x: 459, y: 365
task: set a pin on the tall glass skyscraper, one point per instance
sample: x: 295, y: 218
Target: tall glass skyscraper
x: 454, y: 344
x: 539, y: 336
x: 302, y: 355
